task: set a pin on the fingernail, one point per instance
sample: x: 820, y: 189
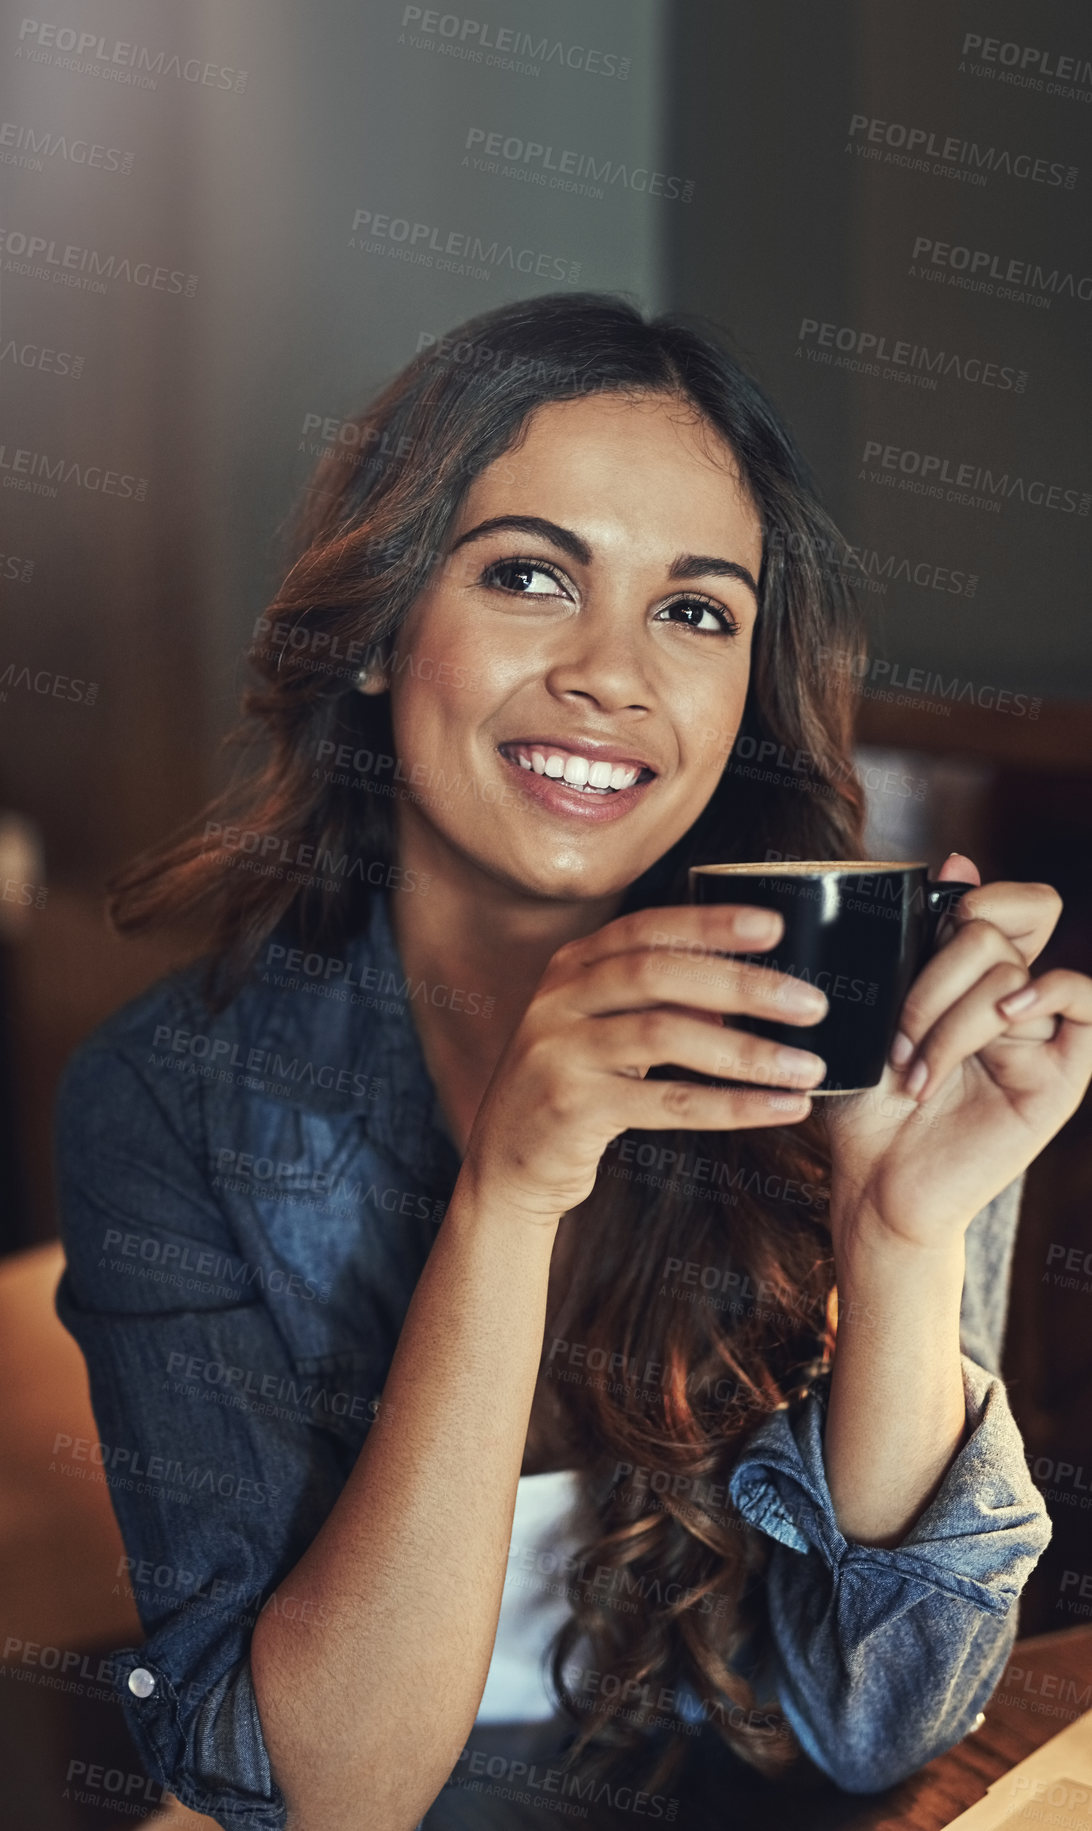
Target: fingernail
x: 757, y: 925
x: 901, y: 1050
x: 805, y: 999
x: 915, y: 1080
x: 800, y: 1062
x: 1018, y: 1001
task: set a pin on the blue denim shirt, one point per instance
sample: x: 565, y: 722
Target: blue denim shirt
x: 247, y: 1202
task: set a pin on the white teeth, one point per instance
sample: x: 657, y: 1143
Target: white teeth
x: 623, y: 775
x: 599, y: 777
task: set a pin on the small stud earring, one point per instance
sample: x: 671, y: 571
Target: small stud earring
x: 360, y: 680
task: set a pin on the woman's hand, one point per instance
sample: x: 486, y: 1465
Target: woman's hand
x: 647, y: 988
x: 989, y: 1064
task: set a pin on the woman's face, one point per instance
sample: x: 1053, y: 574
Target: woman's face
x: 616, y: 630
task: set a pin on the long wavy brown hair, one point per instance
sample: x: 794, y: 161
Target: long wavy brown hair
x: 673, y: 1353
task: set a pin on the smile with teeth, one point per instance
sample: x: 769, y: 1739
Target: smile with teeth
x: 575, y: 771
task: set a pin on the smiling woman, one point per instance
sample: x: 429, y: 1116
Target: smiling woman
x: 533, y: 636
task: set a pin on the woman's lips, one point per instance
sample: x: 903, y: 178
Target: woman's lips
x: 555, y: 794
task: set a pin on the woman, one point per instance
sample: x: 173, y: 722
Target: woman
x: 360, y: 1249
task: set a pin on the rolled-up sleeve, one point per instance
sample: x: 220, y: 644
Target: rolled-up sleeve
x: 215, y: 1501
x: 882, y: 1658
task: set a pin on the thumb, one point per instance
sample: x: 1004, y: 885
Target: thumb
x: 958, y: 868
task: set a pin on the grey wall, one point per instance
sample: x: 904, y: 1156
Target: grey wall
x: 250, y: 179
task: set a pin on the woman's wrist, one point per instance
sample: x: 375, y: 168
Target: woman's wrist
x: 480, y: 1200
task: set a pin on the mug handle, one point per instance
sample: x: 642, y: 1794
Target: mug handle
x: 941, y: 898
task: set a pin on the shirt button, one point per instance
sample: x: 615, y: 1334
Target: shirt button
x: 141, y: 1682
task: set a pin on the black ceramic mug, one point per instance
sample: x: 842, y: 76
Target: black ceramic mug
x: 861, y: 932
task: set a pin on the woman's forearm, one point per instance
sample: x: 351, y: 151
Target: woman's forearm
x: 366, y: 1709
x: 896, y: 1414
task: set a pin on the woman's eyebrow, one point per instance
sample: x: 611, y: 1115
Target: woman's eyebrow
x: 686, y: 566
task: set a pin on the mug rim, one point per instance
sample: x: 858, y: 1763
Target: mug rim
x: 805, y: 867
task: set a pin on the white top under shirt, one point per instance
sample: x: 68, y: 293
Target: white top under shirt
x: 535, y: 1601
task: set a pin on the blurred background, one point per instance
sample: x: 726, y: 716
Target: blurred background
x: 207, y: 266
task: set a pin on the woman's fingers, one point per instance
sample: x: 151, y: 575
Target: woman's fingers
x: 708, y: 982
x: 1060, y: 995
x: 1026, y: 913
x: 950, y: 974
x: 1052, y: 1013
x: 658, y: 1106
x: 643, y: 1039
x: 691, y: 931
x: 974, y: 1021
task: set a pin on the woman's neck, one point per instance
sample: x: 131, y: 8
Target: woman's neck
x: 480, y: 948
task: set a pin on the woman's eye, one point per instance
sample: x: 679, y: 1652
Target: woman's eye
x: 720, y: 622
x: 517, y: 575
